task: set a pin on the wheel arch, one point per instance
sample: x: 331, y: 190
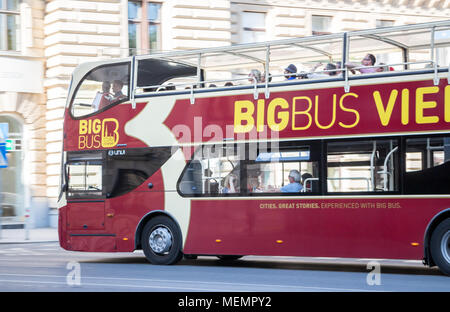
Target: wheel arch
x: 143, y: 222
x: 441, y: 216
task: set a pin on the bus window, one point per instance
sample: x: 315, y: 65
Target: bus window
x: 286, y: 171
x: 214, y: 170
x: 85, y: 175
x: 128, y: 169
x: 153, y: 73
x: 362, y: 166
x: 101, y: 88
x: 427, y: 165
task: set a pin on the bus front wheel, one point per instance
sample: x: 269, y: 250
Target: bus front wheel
x: 161, y: 241
x: 440, y: 246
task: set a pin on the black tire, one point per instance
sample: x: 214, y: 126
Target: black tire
x: 229, y: 257
x: 165, y: 230
x: 440, y: 246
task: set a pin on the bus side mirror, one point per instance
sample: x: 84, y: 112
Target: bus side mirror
x: 65, y: 186
x: 63, y: 189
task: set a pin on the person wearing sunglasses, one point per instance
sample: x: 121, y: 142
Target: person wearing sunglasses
x: 366, y: 66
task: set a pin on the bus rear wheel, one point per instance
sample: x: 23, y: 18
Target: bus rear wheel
x: 440, y: 246
x: 161, y: 241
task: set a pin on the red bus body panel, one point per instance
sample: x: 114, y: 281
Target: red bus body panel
x: 355, y: 228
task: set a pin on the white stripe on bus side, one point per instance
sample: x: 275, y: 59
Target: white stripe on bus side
x: 148, y: 127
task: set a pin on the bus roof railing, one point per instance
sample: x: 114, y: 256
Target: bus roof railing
x: 375, y: 34
x: 274, y: 54
x: 190, y: 86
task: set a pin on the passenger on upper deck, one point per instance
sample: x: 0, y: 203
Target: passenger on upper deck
x: 368, y: 60
x: 290, y: 72
x: 263, y: 77
x: 329, y: 70
x: 385, y: 68
x: 170, y: 87
x: 254, y: 75
x: 117, y: 89
x: 106, y: 97
x: 339, y: 69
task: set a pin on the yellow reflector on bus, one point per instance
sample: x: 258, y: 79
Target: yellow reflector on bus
x: 279, y: 241
x: 415, y: 244
x: 218, y: 240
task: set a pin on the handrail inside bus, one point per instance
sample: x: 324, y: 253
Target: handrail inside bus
x: 372, y: 165
x: 385, y: 168
x: 305, y: 182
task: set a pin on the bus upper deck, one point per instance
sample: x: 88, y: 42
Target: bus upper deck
x: 399, y: 51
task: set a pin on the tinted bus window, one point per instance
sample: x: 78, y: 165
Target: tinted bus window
x: 427, y: 166
x: 128, y: 169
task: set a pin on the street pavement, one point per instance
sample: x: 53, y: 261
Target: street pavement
x: 39, y: 264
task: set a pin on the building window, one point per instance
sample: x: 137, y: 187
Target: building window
x: 9, y: 25
x: 321, y: 25
x: 253, y: 27
x: 144, y: 26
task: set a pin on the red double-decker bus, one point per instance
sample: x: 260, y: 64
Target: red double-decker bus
x: 186, y: 153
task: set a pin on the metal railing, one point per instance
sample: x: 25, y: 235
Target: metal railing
x: 324, y: 74
x: 305, y: 182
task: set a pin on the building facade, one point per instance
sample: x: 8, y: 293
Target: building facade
x: 42, y: 41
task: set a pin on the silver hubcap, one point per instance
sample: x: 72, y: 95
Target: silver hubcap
x: 445, y: 246
x: 160, y: 240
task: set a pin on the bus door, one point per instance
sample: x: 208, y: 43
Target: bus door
x: 85, y: 196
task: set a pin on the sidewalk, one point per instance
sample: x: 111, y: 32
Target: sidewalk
x: 39, y: 235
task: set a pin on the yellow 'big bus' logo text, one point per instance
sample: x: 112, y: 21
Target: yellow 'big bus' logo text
x: 96, y: 133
